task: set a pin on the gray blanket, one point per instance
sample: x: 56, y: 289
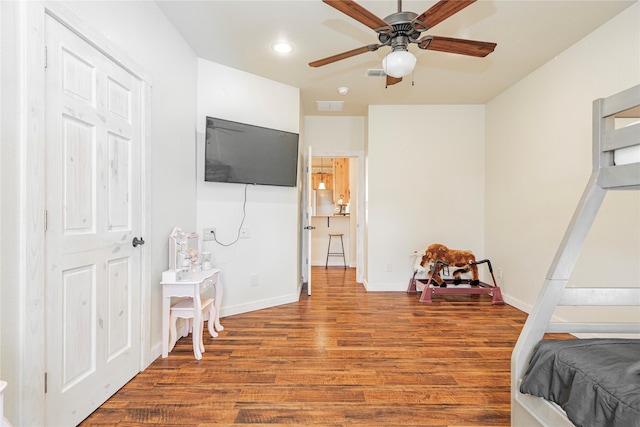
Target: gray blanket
x: 595, y: 381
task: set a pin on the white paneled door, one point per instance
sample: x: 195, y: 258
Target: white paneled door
x: 308, y: 216
x: 93, y: 285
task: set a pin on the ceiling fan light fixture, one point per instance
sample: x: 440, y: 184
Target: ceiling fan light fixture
x: 399, y: 63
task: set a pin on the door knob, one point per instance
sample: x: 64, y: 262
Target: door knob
x: 137, y: 241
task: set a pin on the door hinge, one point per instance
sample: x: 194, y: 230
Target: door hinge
x: 46, y: 57
x: 45, y: 383
x: 46, y: 220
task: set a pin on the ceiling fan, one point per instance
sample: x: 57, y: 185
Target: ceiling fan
x: 400, y: 29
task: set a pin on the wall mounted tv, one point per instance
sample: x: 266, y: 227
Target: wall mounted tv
x: 246, y: 154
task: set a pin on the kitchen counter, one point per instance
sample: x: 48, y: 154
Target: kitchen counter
x: 329, y: 217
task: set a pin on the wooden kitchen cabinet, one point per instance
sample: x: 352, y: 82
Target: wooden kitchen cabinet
x: 341, y: 180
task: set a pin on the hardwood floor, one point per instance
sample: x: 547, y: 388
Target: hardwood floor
x: 342, y: 357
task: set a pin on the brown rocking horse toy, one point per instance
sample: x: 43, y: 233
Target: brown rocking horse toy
x: 466, y: 260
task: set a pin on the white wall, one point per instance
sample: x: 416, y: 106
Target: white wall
x: 140, y: 32
x: 425, y: 185
x: 271, y: 212
x: 539, y: 160
x: 325, y: 133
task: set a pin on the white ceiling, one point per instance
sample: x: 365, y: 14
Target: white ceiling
x: 529, y: 33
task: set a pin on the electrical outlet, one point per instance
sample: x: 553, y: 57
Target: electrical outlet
x: 389, y: 268
x: 253, y: 280
x: 245, y: 232
x: 499, y: 273
x: 208, y: 234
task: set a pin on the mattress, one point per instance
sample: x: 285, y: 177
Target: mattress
x: 627, y: 155
x: 595, y: 381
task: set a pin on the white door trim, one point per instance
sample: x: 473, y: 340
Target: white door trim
x: 361, y: 204
x: 308, y: 215
x: 31, y: 365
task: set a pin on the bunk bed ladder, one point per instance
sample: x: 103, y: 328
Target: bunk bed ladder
x: 605, y: 176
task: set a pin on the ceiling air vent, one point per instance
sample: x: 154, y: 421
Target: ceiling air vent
x: 329, y: 105
x: 375, y: 72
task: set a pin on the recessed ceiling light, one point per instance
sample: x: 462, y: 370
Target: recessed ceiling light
x: 282, y: 47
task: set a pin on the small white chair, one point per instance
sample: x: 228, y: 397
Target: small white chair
x: 3, y: 421
x: 184, y: 310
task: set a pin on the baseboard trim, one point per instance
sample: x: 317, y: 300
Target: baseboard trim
x: 258, y: 305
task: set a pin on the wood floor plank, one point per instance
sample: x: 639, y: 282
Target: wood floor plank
x: 341, y: 357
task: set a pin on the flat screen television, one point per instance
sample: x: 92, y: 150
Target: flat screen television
x: 246, y: 154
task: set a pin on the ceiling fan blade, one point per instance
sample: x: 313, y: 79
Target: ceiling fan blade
x: 459, y: 46
x: 442, y: 10
x: 392, y: 80
x: 359, y: 13
x: 345, y: 55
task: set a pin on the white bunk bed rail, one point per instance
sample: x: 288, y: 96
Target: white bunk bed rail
x: 607, y: 139
x: 607, y: 174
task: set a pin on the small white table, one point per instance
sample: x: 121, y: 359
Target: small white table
x: 192, y: 287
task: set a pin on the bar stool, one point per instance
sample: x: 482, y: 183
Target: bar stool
x: 329, y: 253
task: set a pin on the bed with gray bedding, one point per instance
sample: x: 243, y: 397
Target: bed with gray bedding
x: 593, y: 392
x: 595, y: 381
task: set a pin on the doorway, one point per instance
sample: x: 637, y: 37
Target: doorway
x: 356, y: 210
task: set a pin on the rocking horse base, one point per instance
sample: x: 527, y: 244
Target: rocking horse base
x: 417, y: 285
